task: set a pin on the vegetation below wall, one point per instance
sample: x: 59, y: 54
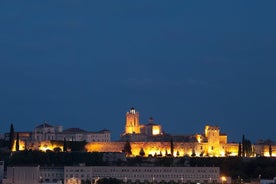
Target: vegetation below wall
x: 236, y: 167
x: 50, y: 158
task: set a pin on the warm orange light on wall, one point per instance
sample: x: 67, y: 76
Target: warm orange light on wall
x: 46, y: 145
x: 198, y: 138
x: 21, y: 145
x: 156, y: 130
x: 223, y: 179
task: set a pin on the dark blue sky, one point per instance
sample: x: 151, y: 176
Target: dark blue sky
x: 186, y: 63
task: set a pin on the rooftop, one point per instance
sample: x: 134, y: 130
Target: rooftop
x: 44, y: 125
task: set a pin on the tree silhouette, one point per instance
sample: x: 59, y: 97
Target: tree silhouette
x: 247, y: 148
x: 11, y: 141
x: 127, y: 148
x: 172, y: 147
x: 270, y: 150
x: 239, y: 150
x: 142, y: 152
x: 17, y: 142
x: 243, y: 146
x: 65, y: 146
x: 193, y: 153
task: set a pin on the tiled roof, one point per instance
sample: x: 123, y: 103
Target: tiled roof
x: 44, y: 125
x: 74, y: 130
x: 151, y: 124
x: 78, y: 130
x: 102, y: 131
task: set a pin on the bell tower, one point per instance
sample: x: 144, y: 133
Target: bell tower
x: 132, y: 122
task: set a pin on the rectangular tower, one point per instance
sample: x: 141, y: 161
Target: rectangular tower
x: 132, y: 122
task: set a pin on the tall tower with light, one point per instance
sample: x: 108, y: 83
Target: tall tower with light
x: 132, y: 122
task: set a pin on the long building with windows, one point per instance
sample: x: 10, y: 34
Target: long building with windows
x: 81, y: 174
x: 143, y: 174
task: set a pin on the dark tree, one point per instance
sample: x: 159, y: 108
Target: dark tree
x: 77, y: 145
x: 172, y: 147
x: 160, y: 154
x: 17, y: 142
x: 65, y: 147
x: 239, y: 150
x: 270, y: 150
x: 127, y: 148
x: 57, y: 150
x: 193, y: 153
x: 247, y: 148
x: 243, y: 146
x: 142, y: 152
x: 11, y: 141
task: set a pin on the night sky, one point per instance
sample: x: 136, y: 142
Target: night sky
x: 185, y: 63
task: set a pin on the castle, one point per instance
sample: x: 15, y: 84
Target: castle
x: 151, y: 139
x: 211, y: 143
x: 144, y: 139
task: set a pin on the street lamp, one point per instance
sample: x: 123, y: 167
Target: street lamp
x: 125, y: 179
x: 223, y: 179
x: 182, y: 179
x: 40, y: 179
x: 96, y: 180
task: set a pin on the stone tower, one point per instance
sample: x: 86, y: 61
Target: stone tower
x: 132, y: 122
x: 212, y: 133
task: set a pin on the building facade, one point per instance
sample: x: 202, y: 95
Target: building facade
x: 211, y: 143
x: 22, y: 175
x: 80, y: 174
x: 45, y: 132
x: 77, y: 134
x: 1, y: 170
x: 132, y: 122
x: 142, y: 174
x: 149, y: 137
x: 51, y: 174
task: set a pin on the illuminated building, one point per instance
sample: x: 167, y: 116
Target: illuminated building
x: 151, y: 138
x: 47, y: 137
x: 132, y: 122
x: 134, y: 131
x: 47, y: 132
x: 77, y: 134
x: 211, y: 143
x: 151, y: 129
x: 24, y: 136
x: 148, y: 137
